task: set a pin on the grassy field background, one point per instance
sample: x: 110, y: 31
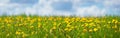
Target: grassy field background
x: 22, y: 26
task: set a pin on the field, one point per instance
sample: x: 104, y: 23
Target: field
x: 59, y: 27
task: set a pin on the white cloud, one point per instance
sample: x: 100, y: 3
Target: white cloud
x: 44, y: 8
x: 112, y: 5
x: 90, y: 11
x: 111, y: 2
x: 4, y: 1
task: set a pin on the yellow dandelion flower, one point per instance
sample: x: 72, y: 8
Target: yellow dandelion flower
x: 24, y: 35
x: 92, y: 24
x: 90, y: 36
x: 69, y: 29
x: 8, y: 25
x: 66, y: 29
x: 28, y: 18
x: 54, y: 23
x: 54, y: 27
x: 17, y: 33
x: 68, y: 26
x: 8, y: 34
x: 39, y: 25
x: 68, y: 36
x: 84, y: 30
x: 0, y: 19
x: 46, y: 36
x: 83, y: 19
x: 116, y: 31
x: 95, y: 29
x: 32, y: 33
x: 116, y: 22
x: 90, y: 30
x: 50, y: 18
x: 115, y: 26
x: 86, y: 24
x: 72, y: 27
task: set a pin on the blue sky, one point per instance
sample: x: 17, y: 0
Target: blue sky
x: 60, y: 7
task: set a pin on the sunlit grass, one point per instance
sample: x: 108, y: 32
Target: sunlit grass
x: 22, y: 26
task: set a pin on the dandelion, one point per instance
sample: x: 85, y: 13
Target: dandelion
x: 54, y: 27
x: 84, y: 30
x: 90, y: 36
x: 54, y: 23
x: 8, y: 34
x: 69, y: 29
x: 32, y: 33
x: 68, y: 36
x: 46, y: 36
x: 39, y: 25
x: 115, y: 26
x: 18, y: 33
x: 72, y: 27
x: 95, y: 29
x: 92, y: 24
x: 68, y: 26
x: 0, y: 19
x: 24, y: 35
x: 90, y: 30
x: 109, y: 22
x: 39, y: 19
x: 114, y: 21
x: 66, y: 29
x: 8, y: 25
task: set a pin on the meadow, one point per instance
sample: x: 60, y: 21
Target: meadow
x: 21, y: 26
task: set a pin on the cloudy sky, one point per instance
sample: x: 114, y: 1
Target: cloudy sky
x: 60, y: 7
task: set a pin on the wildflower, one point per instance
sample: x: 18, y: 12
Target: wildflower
x: 24, y: 35
x: 32, y: 33
x: 8, y: 34
x: 116, y: 31
x: 114, y: 21
x: 115, y: 26
x: 68, y: 36
x: 8, y: 25
x: 0, y: 19
x: 109, y: 22
x: 66, y: 29
x: 83, y: 19
x: 95, y: 29
x: 54, y: 23
x: 69, y: 29
x: 54, y: 27
x: 50, y: 18
x: 92, y: 24
x: 28, y: 18
x: 90, y: 36
x: 18, y: 33
x: 39, y: 19
x: 46, y: 36
x: 68, y: 26
x: 84, y: 30
x: 90, y: 30
x: 72, y: 27
x: 39, y: 25
x: 86, y: 24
